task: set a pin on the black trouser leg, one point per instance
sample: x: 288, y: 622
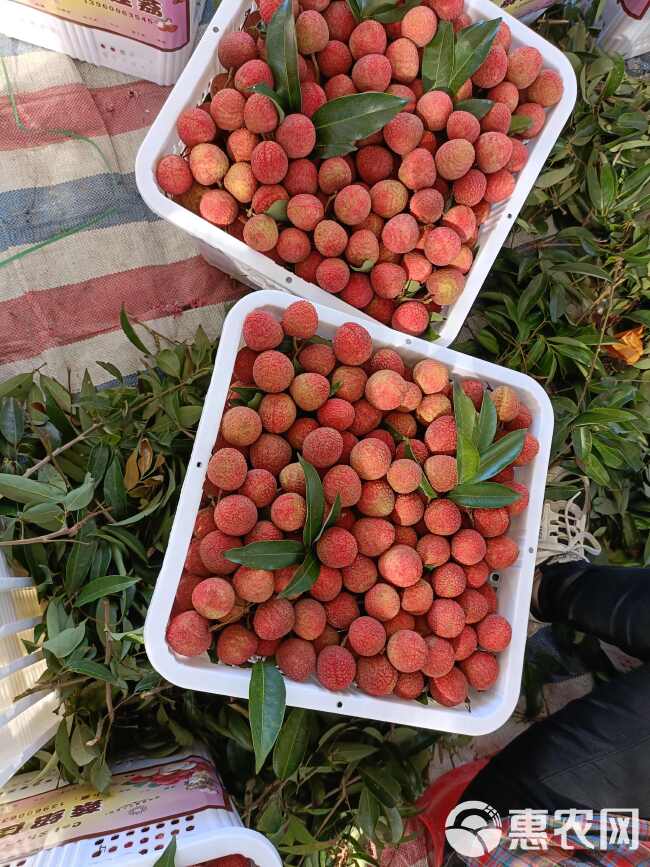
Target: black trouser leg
x: 595, y: 752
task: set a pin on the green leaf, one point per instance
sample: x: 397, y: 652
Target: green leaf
x: 382, y: 786
x: 106, y: 585
x: 368, y: 812
x: 467, y: 458
x: 605, y: 415
x: 438, y: 59
x: 80, y: 497
x: 92, y: 669
x: 169, y: 362
x: 66, y: 641
x: 304, y: 578
x: 114, y: 490
x: 500, y: 454
x: 168, y: 857
x: 291, y: 745
x: 472, y: 46
x: 27, y: 491
x: 100, y: 774
x: 17, y: 386
x: 478, y: 107
x: 464, y: 413
x: 12, y: 420
x: 82, y: 551
x: 282, y: 56
x: 266, y: 705
x: 487, y: 424
x: 267, y: 91
x: 278, y: 210
x: 189, y: 415
x: 343, y: 121
x: 129, y: 331
x: 483, y: 495
x: 49, y: 516
x: 315, y: 503
x: 389, y: 13
x: 62, y: 747
x: 81, y: 754
x: 332, y: 516
x: 268, y: 555
x: 519, y: 123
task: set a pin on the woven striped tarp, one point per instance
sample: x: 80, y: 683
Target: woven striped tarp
x: 60, y: 304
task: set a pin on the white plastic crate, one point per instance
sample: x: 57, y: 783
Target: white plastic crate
x: 489, y: 710
x: 121, y: 35
x: 27, y: 724
x: 127, y: 829
x: 259, y: 271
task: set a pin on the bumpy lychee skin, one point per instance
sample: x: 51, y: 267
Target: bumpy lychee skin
x: 418, y: 598
x: 524, y: 65
x: 481, y: 670
x: 360, y: 575
x: 462, y: 124
x: 352, y: 344
x: 420, y: 25
x: 411, y: 317
x: 261, y: 331
x: 434, y: 108
x: 253, y: 585
x: 382, y: 602
x: 333, y: 275
x: 236, y: 645
x: 470, y: 189
x: 218, y: 207
x: 547, y: 89
x: 385, y: 389
x: 499, y: 187
x: 400, y: 234
x: 251, y: 73
x: 376, y: 676
x: 328, y: 584
x: 300, y: 320
x: 189, y: 634
x: 367, y: 636
x: 336, y: 548
x: 366, y: 418
x: 528, y: 452
x: 373, y: 535
x: 333, y: 175
x: 442, y: 517
x: 402, y: 134
x: 335, y: 668
x: 369, y: 37
x: 336, y: 413
x: 173, y: 175
x: 494, y: 633
x: 502, y: 552
x: 491, y: 522
x: 493, y: 150
x: 406, y: 651
x: 323, y: 447
x: 473, y: 604
x: 440, y: 656
x: 227, y: 469
x: 404, y: 60
x: 536, y: 117
x: 371, y: 71
x: 352, y: 204
x: 288, y: 512
x: 404, y: 476
x: 441, y: 246
x: 434, y: 550
x: 521, y: 504
x: 260, y: 116
x: 236, y: 48
x: 269, y: 162
x: 505, y: 401
x: 446, y: 618
x: 261, y: 233
x: 455, y: 158
x: 450, y: 689
x: 211, y: 550
x: 441, y: 436
x: 296, y: 658
x: 401, y: 566
x: 464, y: 644
x: 241, y: 426
x: 493, y: 69
x: 497, y: 119
x: 270, y: 452
x: 273, y: 619
x: 468, y: 547
x: 195, y: 126
x: 449, y: 580
x: 351, y: 382
x: 213, y: 598
x: 272, y: 371
x: 409, y: 686
x: 310, y: 390
x: 343, y: 481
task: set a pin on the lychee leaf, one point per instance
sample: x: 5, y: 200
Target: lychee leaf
x: 341, y: 122
x: 483, y: 495
x: 265, y: 90
x: 267, y: 555
x: 304, y: 577
x: 487, y: 424
x: 478, y: 107
x: 355, y: 9
x: 500, y: 455
x: 315, y: 503
x: 438, y: 59
x: 520, y: 123
x: 470, y: 50
x: 464, y: 413
x: 387, y: 12
x: 333, y: 515
x: 267, y: 701
x: 278, y: 210
x: 467, y: 458
x: 282, y: 54
x: 168, y: 857
x: 291, y: 745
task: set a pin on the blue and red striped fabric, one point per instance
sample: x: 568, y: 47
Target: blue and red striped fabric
x: 60, y: 304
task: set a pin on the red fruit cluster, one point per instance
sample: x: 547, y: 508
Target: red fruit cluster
x: 402, y: 601
x: 406, y: 207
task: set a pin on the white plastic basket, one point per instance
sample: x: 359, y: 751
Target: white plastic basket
x: 96, y: 43
x: 29, y: 723
x: 488, y: 710
x: 259, y: 271
x: 139, y: 840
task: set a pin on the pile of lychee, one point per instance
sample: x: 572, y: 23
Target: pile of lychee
x: 392, y: 227
x: 402, y: 603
